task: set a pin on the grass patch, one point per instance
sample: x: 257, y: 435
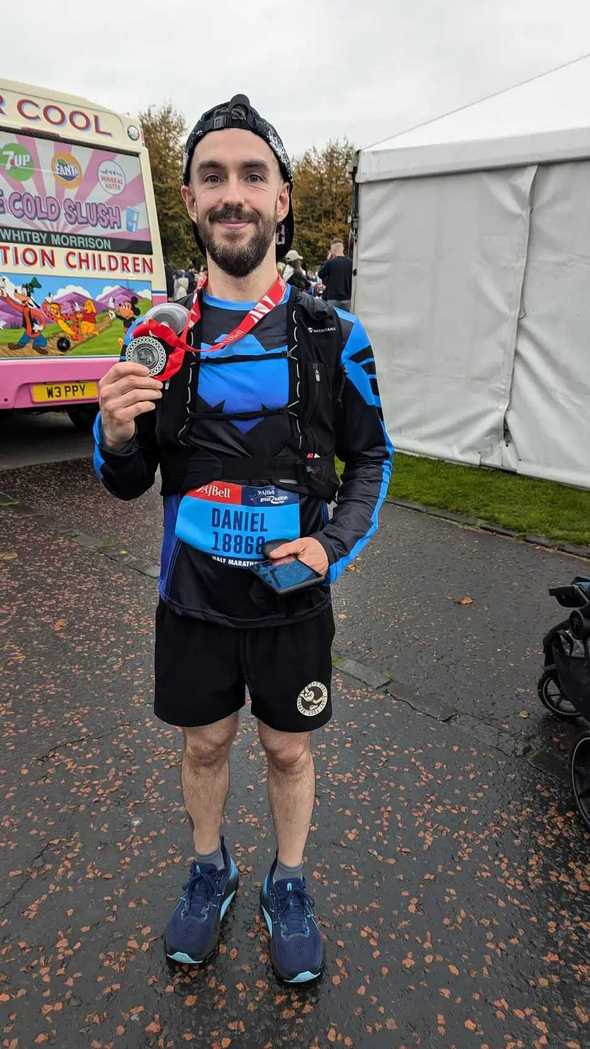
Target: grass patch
x: 525, y: 504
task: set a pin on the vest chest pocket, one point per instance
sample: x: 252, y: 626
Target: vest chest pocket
x: 315, y: 378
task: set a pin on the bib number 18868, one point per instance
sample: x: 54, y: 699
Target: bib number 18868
x: 230, y: 543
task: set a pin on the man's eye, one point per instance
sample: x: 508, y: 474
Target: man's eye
x: 212, y: 179
x: 253, y: 176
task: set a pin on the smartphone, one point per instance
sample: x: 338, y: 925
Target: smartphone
x: 286, y: 577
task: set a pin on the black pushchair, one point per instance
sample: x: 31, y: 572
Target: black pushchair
x: 564, y: 688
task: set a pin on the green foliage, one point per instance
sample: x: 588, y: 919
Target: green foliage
x: 322, y: 198
x: 164, y: 131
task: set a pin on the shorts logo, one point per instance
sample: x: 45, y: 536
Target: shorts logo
x: 312, y: 699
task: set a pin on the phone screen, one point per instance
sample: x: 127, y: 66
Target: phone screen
x: 287, y: 576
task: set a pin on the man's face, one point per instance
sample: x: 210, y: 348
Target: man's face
x: 236, y: 197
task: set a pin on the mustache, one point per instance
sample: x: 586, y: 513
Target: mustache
x: 230, y: 213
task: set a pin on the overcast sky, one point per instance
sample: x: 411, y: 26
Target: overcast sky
x: 325, y: 69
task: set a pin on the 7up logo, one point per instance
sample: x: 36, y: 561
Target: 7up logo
x: 16, y: 161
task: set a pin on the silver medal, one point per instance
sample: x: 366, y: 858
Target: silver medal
x: 148, y: 351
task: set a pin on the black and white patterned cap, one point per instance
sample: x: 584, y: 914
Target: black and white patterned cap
x: 238, y: 113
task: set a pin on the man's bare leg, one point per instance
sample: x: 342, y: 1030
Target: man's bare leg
x: 291, y: 789
x: 205, y: 778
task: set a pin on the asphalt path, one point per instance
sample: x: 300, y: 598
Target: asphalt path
x: 27, y: 438
x: 449, y: 868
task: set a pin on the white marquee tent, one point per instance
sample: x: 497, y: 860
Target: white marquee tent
x: 473, y: 279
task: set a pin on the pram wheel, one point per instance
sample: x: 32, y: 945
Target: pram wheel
x: 580, y: 774
x: 553, y: 698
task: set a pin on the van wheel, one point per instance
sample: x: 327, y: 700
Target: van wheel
x: 83, y: 417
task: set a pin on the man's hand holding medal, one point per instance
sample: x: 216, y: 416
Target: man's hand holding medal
x: 131, y: 388
x: 125, y: 391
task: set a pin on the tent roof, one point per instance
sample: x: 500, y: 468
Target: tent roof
x: 546, y: 119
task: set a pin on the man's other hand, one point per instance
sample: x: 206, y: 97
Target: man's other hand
x: 307, y: 550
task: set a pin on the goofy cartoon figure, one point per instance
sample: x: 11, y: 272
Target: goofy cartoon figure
x: 33, y: 319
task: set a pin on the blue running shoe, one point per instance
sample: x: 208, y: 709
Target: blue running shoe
x: 296, y: 948
x: 193, y: 930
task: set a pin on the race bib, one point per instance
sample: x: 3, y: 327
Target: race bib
x: 232, y: 522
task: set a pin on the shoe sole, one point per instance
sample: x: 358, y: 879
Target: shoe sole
x: 303, y: 977
x: 185, y: 959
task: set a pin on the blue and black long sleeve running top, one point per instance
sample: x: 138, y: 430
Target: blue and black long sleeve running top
x: 328, y: 404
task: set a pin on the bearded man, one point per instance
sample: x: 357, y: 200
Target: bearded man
x: 272, y: 384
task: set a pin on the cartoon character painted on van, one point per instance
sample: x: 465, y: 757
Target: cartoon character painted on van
x: 77, y: 319
x: 128, y: 312
x: 32, y: 318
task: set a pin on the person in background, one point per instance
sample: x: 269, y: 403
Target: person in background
x: 297, y: 276
x: 336, y: 275
x: 290, y: 258
x: 315, y: 285
x: 180, y: 286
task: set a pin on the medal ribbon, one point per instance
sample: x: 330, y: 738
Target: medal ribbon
x: 179, y: 344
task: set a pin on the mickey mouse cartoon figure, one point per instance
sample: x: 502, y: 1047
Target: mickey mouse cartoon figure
x: 127, y: 311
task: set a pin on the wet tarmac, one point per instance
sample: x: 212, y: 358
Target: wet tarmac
x: 450, y: 871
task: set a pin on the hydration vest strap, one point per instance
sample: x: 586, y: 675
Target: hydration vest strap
x: 258, y: 467
x: 258, y: 413
x: 240, y: 358
x: 255, y: 468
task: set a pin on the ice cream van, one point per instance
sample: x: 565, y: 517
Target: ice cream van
x: 80, y: 252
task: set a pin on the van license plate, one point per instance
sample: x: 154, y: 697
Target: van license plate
x: 65, y: 391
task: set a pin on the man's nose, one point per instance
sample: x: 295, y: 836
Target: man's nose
x: 233, y: 190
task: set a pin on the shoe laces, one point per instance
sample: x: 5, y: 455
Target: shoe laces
x: 200, y: 888
x: 294, y: 906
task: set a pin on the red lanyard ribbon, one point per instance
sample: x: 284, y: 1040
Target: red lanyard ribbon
x: 267, y: 303
x: 180, y: 345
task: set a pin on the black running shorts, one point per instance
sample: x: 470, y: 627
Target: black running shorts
x: 202, y: 670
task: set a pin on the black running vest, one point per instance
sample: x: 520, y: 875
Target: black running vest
x: 293, y: 446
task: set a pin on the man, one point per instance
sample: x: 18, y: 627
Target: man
x: 336, y: 274
x: 294, y: 273
x: 274, y: 384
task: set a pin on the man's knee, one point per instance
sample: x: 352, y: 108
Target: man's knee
x: 286, y: 751
x: 209, y: 745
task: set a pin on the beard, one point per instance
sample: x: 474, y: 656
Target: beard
x: 237, y: 260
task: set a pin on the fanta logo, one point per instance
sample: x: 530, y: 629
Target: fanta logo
x: 66, y: 169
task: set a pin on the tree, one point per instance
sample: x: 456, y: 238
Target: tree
x: 322, y: 198
x: 164, y: 131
